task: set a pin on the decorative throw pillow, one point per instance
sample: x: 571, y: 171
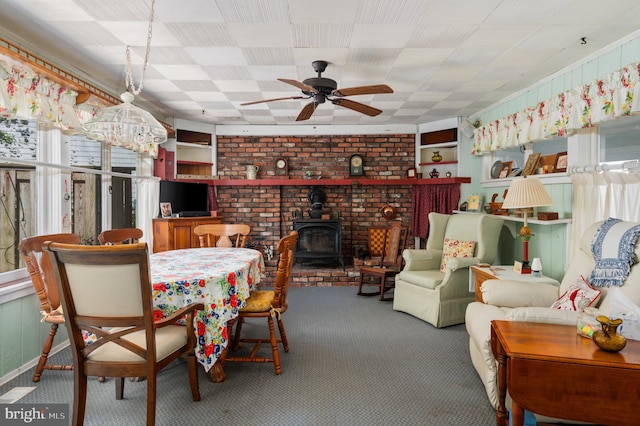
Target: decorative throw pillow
x: 579, y: 296
x: 455, y: 248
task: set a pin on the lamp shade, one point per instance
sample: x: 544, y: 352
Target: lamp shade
x: 526, y: 192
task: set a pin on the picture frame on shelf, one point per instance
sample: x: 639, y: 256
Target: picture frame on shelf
x: 165, y: 210
x: 412, y: 173
x: 474, y: 203
x: 505, y: 169
x: 531, y: 165
x: 562, y: 159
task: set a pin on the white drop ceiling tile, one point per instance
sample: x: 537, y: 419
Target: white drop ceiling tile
x: 440, y: 35
x: 115, y: 10
x: 510, y: 12
x: 409, y: 112
x: 171, y: 96
x: 305, y: 56
x: 268, y: 56
x: 160, y: 85
x: 217, y: 56
x: 428, y: 96
x: 288, y: 105
x: 59, y: 10
x: 134, y: 33
x: 559, y: 36
x: 184, y: 104
x: 382, y: 57
x: 260, y: 119
x: 231, y: 112
x: 187, y: 11
x: 206, y: 96
x: 91, y: 33
x: 492, y: 37
x: 196, y: 85
x: 325, y: 11
x: 227, y: 72
x: 261, y: 35
x: 112, y: 55
x: 468, y: 12
x: 422, y: 56
x: 164, y: 55
x: 381, y: 36
x: 390, y: 11
x: 321, y: 35
x: 477, y: 56
x: 252, y: 112
x: 525, y: 58
x: 182, y: 72
x: 254, y: 11
x: 481, y: 85
x: 198, y: 34
x: 237, y: 85
x: 460, y: 73
x: 271, y: 72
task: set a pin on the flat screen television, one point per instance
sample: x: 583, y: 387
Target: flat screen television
x: 186, y: 198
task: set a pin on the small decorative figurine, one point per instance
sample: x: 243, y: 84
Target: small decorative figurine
x: 434, y: 173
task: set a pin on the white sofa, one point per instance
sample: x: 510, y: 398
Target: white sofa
x: 520, y: 301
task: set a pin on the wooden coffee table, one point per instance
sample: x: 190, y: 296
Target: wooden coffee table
x: 551, y: 370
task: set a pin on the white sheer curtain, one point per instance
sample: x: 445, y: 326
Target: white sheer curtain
x: 600, y: 195
x: 148, y: 200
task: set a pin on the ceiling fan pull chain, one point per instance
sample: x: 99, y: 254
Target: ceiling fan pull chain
x: 131, y: 87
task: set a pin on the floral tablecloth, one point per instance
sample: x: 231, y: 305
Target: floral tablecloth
x: 221, y: 278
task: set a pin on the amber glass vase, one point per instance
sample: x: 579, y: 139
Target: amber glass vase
x: 436, y: 157
x: 608, y: 338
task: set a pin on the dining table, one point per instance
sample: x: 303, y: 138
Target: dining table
x: 220, y: 278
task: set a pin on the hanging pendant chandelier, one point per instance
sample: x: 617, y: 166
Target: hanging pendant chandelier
x: 126, y: 124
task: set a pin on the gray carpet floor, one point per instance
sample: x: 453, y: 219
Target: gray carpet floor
x: 352, y: 361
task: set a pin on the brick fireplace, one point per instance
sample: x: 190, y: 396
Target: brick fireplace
x: 270, y: 209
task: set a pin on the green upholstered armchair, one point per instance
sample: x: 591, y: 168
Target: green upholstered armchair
x: 438, y: 295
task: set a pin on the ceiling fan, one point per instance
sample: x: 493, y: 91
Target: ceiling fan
x: 321, y: 89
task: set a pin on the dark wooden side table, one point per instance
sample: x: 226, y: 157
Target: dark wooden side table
x: 551, y: 370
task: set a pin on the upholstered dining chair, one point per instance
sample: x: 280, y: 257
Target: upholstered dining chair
x: 106, y: 290
x: 44, y: 282
x: 393, y: 243
x: 120, y: 236
x: 269, y: 304
x: 221, y: 234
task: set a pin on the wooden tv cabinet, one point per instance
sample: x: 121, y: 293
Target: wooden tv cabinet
x: 174, y: 233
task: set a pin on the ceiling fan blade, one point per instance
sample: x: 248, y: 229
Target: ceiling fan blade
x: 357, y: 106
x: 307, y: 111
x: 274, y: 99
x: 299, y: 85
x: 363, y: 90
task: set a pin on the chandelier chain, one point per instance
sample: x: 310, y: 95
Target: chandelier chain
x: 129, y: 78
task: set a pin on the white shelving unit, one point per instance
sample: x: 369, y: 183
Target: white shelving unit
x: 447, y: 131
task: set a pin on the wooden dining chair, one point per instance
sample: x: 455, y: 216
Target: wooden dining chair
x: 221, y: 234
x: 44, y: 282
x: 120, y: 236
x: 390, y: 263
x: 106, y: 290
x: 269, y: 304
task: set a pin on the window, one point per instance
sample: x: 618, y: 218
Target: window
x: 18, y: 141
x: 619, y: 140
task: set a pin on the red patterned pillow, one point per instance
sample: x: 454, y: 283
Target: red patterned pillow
x: 455, y: 248
x: 579, y: 296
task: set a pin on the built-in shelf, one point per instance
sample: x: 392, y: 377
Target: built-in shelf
x: 194, y: 163
x: 521, y: 219
x: 194, y: 145
x: 439, y: 163
x: 550, y: 178
x: 333, y: 182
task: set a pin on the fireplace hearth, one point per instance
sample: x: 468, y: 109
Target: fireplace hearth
x: 319, y: 241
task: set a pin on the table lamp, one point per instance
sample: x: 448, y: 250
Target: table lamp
x: 525, y: 193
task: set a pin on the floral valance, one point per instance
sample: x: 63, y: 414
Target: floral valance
x: 585, y: 106
x: 26, y: 95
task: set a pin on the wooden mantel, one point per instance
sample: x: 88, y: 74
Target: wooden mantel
x: 334, y: 182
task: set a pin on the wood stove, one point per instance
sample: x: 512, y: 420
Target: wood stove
x: 318, y: 240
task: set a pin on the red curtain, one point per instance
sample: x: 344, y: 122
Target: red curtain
x: 431, y: 198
